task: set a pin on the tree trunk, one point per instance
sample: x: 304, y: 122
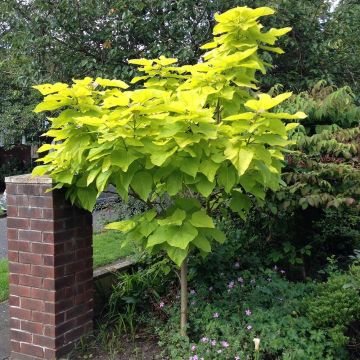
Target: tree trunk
x: 184, y: 298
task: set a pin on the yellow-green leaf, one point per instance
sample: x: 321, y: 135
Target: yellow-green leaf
x: 240, y: 157
x: 123, y: 226
x: 202, y: 220
x: 111, y: 83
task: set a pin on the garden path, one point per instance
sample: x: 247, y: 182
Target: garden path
x: 4, y: 331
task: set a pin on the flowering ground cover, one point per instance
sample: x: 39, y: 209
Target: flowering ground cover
x: 237, y: 310
x: 242, y: 312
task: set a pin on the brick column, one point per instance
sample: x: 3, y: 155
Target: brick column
x: 50, y: 266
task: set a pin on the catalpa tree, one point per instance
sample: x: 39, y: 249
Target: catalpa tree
x: 185, y: 140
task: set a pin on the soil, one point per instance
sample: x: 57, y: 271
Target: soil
x: 124, y: 349
x: 143, y: 350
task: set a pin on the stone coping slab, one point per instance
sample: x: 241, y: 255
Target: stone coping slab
x: 28, y: 179
x: 112, y: 267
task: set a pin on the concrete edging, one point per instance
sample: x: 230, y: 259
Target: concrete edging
x: 120, y: 264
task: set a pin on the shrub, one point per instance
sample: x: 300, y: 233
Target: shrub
x: 335, y: 306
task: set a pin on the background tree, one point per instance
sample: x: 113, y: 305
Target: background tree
x: 44, y: 41
x: 64, y: 38
x: 344, y: 47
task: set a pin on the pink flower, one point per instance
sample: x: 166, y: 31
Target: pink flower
x: 213, y: 342
x: 237, y: 358
x: 192, y: 292
x: 249, y: 327
x: 225, y: 344
x: 248, y: 312
x: 161, y: 305
x: 282, y: 271
x: 237, y: 265
x: 216, y: 315
x: 193, y: 348
x: 231, y: 285
x: 204, y: 340
x: 240, y: 279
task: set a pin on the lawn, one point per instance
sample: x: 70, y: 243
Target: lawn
x: 4, y: 285
x: 106, y: 247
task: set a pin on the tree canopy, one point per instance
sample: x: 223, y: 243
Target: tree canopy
x: 189, y: 140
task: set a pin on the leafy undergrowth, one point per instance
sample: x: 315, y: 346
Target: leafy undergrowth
x: 292, y: 320
x: 229, y: 308
x: 106, y: 247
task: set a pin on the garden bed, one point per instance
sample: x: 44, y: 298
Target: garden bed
x: 228, y: 310
x: 233, y: 299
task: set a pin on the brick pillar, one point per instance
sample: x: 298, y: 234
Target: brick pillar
x: 50, y: 266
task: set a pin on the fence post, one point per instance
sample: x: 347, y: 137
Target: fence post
x: 50, y: 269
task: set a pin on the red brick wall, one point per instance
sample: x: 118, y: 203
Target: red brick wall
x: 50, y: 263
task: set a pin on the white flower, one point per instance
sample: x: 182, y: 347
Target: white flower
x: 257, y: 344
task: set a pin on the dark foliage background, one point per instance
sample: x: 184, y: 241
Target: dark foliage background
x: 48, y: 41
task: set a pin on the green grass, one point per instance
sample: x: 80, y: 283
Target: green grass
x: 106, y: 247
x: 4, y: 283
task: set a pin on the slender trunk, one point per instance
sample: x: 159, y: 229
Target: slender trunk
x: 303, y: 270
x: 184, y: 297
